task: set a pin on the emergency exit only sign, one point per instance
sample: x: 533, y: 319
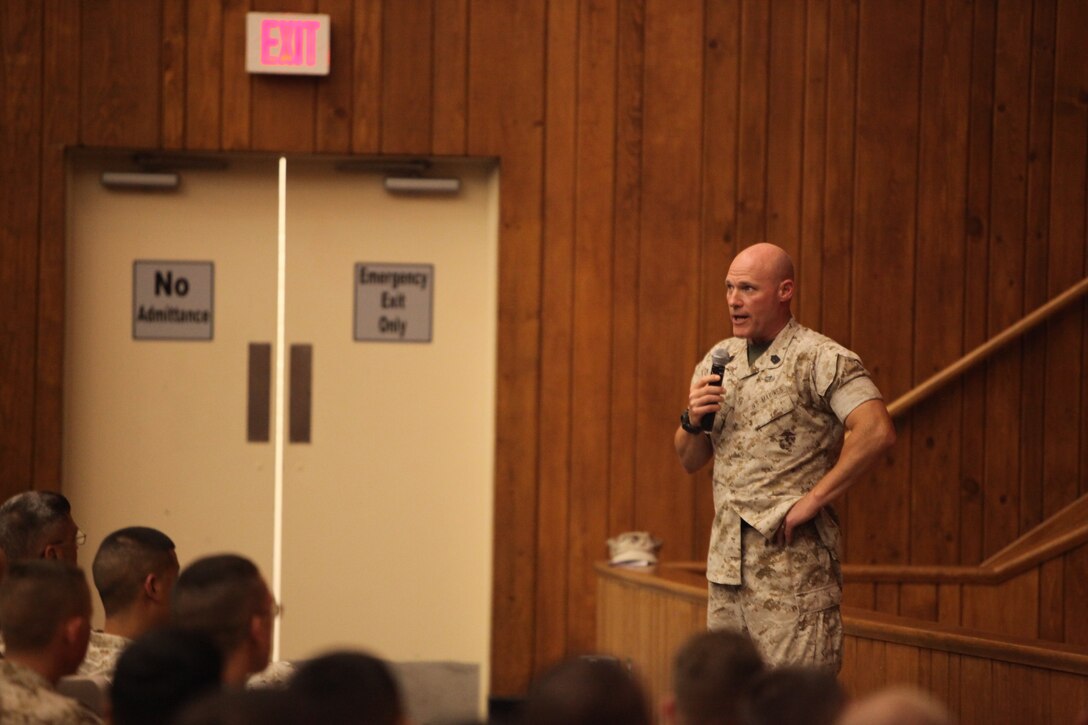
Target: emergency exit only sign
x: 287, y: 43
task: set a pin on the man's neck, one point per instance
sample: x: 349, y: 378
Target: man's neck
x: 129, y: 625
x: 44, y: 663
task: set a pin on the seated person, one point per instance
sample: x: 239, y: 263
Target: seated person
x: 342, y: 688
x: 160, y: 673
x: 39, y: 525
x: 225, y: 598
x: 134, y: 571
x: 794, y: 695
x: 45, y: 616
x: 710, y: 674
x: 586, y: 691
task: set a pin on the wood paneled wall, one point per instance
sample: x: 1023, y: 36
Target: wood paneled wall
x: 924, y: 161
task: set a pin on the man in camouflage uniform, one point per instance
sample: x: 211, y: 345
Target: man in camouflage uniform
x: 45, y: 612
x: 796, y: 421
x: 134, y: 571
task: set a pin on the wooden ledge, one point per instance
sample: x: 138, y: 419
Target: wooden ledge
x: 964, y: 641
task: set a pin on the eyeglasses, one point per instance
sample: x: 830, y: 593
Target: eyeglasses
x: 81, y: 538
x: 274, y: 609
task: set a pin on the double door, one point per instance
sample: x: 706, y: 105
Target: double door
x: 373, y: 519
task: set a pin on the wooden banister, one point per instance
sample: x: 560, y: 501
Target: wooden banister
x: 923, y: 390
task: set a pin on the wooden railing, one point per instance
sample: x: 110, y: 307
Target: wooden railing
x: 923, y: 390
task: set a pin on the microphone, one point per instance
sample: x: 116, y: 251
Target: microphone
x: 718, y: 360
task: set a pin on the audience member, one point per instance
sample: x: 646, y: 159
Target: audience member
x: 39, y: 525
x: 160, y: 673
x: 793, y: 696
x: 710, y: 674
x: 586, y: 691
x: 343, y: 688
x: 134, y: 571
x: 897, y: 706
x: 247, y: 707
x: 225, y: 598
x: 45, y: 616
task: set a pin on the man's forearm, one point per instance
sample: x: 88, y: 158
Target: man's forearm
x: 694, y: 450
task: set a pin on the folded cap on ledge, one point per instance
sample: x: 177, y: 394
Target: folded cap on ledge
x: 633, y: 548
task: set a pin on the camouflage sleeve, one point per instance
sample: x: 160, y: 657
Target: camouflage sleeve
x: 844, y: 383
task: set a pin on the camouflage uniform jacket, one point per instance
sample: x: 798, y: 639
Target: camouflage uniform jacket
x: 27, y: 698
x: 779, y: 431
x: 102, y: 653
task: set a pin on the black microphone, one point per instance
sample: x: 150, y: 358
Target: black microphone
x: 718, y: 360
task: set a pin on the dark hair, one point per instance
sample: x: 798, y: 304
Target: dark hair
x: 260, y: 706
x: 710, y: 672
x: 586, y: 691
x: 25, y: 519
x: 36, y: 596
x: 217, y: 596
x: 348, y: 687
x: 124, y: 560
x: 794, y: 696
x: 160, y: 673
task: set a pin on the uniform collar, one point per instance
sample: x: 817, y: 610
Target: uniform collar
x: 773, y: 356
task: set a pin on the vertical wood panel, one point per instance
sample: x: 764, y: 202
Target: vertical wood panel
x: 918, y: 601
x: 283, y: 108
x: 942, y: 184
x: 204, y: 76
x: 975, y: 280
x: 592, y: 352
x: 1008, y: 196
x: 366, y: 111
x: 1065, y: 355
x: 174, y: 40
x: 237, y: 84
x: 407, y: 78
x: 1075, y: 595
x: 976, y: 691
x: 670, y: 219
x: 1051, y: 600
x: 450, y: 72
x: 719, y: 212
x: 120, y: 51
x: 557, y: 297
x: 20, y: 179
x: 813, y: 159
x: 505, y: 116
x: 625, y: 260
x: 334, y: 91
x: 60, y: 128
x: 752, y: 127
x: 1011, y: 608
x: 884, y: 223
x: 1032, y: 432
x: 785, y: 131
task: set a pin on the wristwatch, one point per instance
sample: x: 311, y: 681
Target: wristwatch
x: 687, y: 425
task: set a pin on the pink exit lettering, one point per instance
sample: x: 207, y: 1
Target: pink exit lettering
x: 289, y: 42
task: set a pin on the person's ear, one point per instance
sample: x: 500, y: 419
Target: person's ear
x: 785, y: 290
x: 152, y: 587
x: 72, y: 629
x: 52, y: 552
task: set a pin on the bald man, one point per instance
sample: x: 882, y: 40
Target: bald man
x: 790, y: 425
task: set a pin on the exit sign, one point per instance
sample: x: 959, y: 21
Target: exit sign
x: 287, y: 43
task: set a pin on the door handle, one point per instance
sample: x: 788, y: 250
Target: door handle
x: 301, y: 396
x: 259, y: 396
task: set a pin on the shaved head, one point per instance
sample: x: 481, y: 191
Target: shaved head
x: 769, y: 258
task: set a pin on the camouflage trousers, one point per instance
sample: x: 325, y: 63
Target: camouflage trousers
x: 787, y: 602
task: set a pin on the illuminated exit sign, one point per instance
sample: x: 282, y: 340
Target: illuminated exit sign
x: 287, y: 43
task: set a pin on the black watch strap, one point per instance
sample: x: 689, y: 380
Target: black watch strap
x: 687, y: 425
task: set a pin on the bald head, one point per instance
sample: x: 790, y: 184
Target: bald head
x: 768, y: 259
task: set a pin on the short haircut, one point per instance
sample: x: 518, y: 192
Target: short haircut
x: 124, y: 560
x: 348, y: 687
x: 36, y: 597
x: 794, y: 696
x: 710, y: 673
x: 897, y: 705
x: 26, y: 517
x: 217, y: 596
x: 586, y: 691
x: 260, y: 706
x: 160, y: 673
